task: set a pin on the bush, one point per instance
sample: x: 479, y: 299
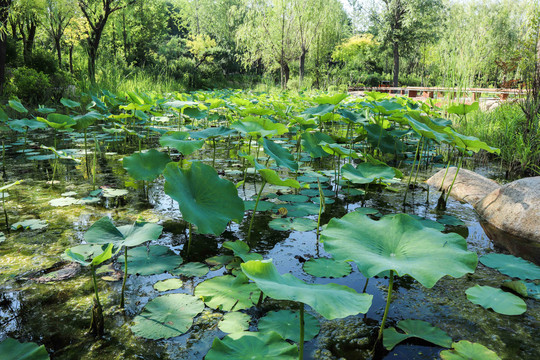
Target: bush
x: 29, y: 85
x: 43, y: 61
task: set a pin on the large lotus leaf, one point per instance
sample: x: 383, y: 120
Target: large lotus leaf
x: 241, y: 249
x: 178, y: 104
x: 178, y: 141
x: 327, y: 99
x: 325, y: 267
x: 211, y: 132
x: 252, y: 128
x: 103, y: 231
x: 400, y: 243
x: 320, y: 110
x: 191, y: 269
x: 146, y: 166
x: 426, y: 128
x: 85, y: 120
x: 282, y: 156
x: 352, y: 117
x: 470, y: 142
x: 228, y: 292
x: 11, y: 349
x: 500, y: 301
x: 366, y: 172
x: 418, y: 329
x: 234, y: 322
x: 58, y: 121
x: 253, y: 346
x: 463, y: 109
x: 387, y: 106
x: 287, y: 324
x: 380, y: 138
x: 337, y: 150
x: 297, y: 224
x: 512, y: 266
x: 204, y: 198
x: 272, y: 177
x: 167, y: 316
x: 156, y: 260
x: 196, y: 113
x: 25, y: 124
x: 17, y: 106
x: 465, y: 350
x: 311, y: 141
x: 330, y: 300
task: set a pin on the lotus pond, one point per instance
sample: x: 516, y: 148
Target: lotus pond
x: 250, y: 226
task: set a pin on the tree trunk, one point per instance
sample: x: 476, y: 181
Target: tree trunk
x: 28, y: 42
x: 71, y: 59
x: 58, y: 51
x: 396, y: 63
x: 301, y: 67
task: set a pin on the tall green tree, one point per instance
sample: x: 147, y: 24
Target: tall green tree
x: 5, y: 6
x: 25, y: 17
x: 59, y: 15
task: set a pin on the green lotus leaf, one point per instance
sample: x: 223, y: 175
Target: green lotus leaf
x: 211, y: 132
x: 59, y: 121
x: 451, y: 220
x: 427, y: 128
x: 352, y: 117
x: 167, y: 316
x: 234, y: 322
x: 252, y: 345
x: 366, y: 172
x: 512, y: 266
x: 31, y: 224
x: 327, y: 99
x: 311, y: 141
x: 219, y: 261
x: 400, y: 243
x: 294, y: 198
x: 337, y: 150
x: 228, y: 292
x: 287, y: 324
x: 178, y: 104
x: 387, y: 106
x: 261, y: 206
x: 256, y: 110
x: 156, y: 260
x: 296, y: 224
x: 380, y: 138
x: 471, y: 142
x: 272, y: 177
x: 325, y: 267
x: 462, y: 108
x: 418, y: 329
x: 429, y: 223
x: 45, y: 110
x: 85, y: 120
x: 301, y: 209
x: 17, y: 106
x: 525, y: 289
x: 330, y: 300
x: 23, y: 125
x: 11, y: 349
x: 191, y: 269
x: 204, y: 198
x: 320, y: 110
x: 98, y: 256
x: 282, y: 156
x: 177, y: 140
x: 241, y: 249
x: 196, y: 113
x: 465, y: 350
x: 69, y: 103
x: 146, y: 166
x: 252, y: 128
x: 366, y: 211
x: 113, y: 193
x: 500, y: 301
x: 169, y: 284
x: 103, y: 231
x: 315, y: 192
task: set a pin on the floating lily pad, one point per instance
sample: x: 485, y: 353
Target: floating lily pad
x: 287, y: 324
x: 228, y: 292
x: 219, y: 261
x: 366, y: 211
x: 525, y: 289
x: 290, y: 224
x: 191, y: 269
x: 32, y: 224
x: 512, y: 266
x: 325, y: 267
x: 252, y: 345
x: 466, y: 350
x: 418, y: 329
x: 63, y: 201
x: 241, y: 249
x: 500, y: 301
x: 11, y: 349
x: 315, y: 192
x: 261, y: 206
x: 294, y: 198
x: 234, y: 322
x: 330, y: 300
x: 69, y: 193
x: 353, y: 191
x: 204, y: 198
x: 155, y: 261
x: 399, y: 243
x: 146, y: 166
x: 301, y: 209
x: 169, y: 284
x: 112, y: 193
x: 167, y: 316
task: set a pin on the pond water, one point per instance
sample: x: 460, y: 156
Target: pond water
x: 57, y: 313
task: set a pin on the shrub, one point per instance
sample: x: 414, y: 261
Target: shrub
x: 29, y: 85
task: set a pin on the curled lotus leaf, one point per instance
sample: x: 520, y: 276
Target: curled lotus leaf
x: 104, y: 231
x: 399, y: 243
x: 11, y: 349
x: 241, y: 249
x: 466, y: 350
x: 167, y: 316
x: 281, y: 156
x: 178, y: 140
x: 417, y: 329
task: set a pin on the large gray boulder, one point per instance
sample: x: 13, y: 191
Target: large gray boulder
x: 513, y: 208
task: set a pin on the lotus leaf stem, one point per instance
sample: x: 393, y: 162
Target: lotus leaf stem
x: 455, y: 176
x: 420, y: 159
x: 255, y: 209
x: 388, y: 301
x: 301, y: 342
x: 190, y: 237
x: 122, y: 296
x: 412, y: 171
